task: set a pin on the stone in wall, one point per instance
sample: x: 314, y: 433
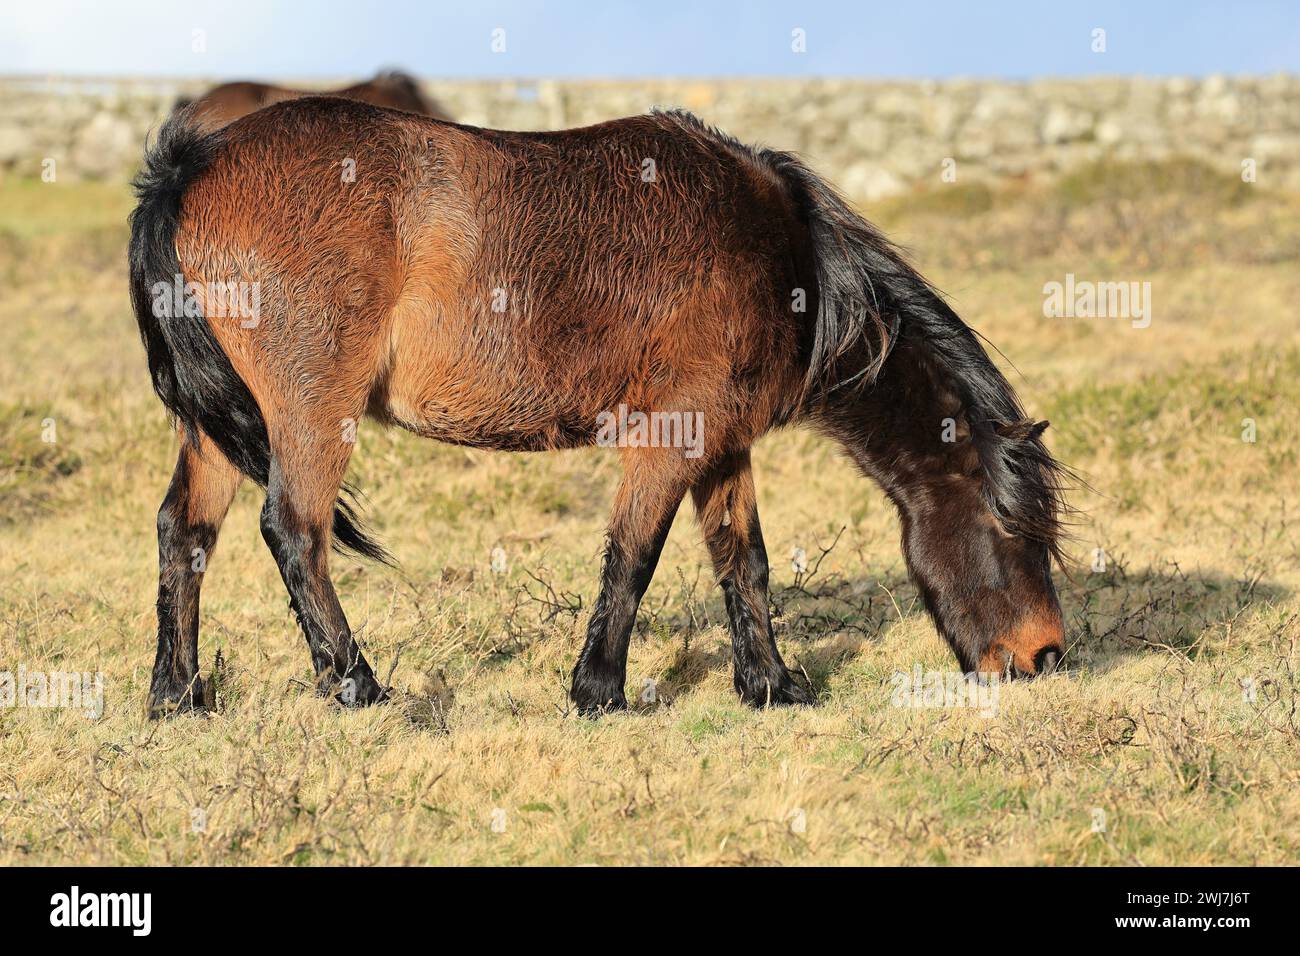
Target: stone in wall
x: 99, y: 146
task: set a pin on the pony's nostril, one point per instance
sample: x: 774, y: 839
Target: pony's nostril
x: 1046, y: 660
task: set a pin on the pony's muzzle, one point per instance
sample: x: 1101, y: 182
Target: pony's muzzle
x: 1036, y: 646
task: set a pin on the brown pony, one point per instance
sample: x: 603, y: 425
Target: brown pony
x: 226, y: 103
x: 521, y: 291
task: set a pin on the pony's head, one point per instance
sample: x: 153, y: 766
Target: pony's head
x: 981, y: 542
x: 979, y: 497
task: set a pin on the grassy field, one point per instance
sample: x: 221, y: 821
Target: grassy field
x: 1172, y: 736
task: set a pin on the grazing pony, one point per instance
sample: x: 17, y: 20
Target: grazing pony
x: 515, y: 290
x: 226, y: 103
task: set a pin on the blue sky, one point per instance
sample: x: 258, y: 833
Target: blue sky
x: 902, y: 38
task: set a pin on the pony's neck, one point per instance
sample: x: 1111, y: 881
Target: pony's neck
x: 911, y: 429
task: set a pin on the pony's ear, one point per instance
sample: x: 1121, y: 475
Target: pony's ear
x: 1021, y: 431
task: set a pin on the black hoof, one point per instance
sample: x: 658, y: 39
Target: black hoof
x: 596, y: 695
x: 778, y: 690
x: 173, y: 702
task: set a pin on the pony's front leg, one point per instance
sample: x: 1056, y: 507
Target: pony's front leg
x: 727, y: 510
x: 647, y: 500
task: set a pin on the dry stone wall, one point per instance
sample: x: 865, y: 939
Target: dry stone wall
x: 872, y: 138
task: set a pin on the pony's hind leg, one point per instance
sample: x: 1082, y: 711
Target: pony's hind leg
x: 201, y: 489
x: 727, y: 510
x: 297, y: 524
x: 647, y: 500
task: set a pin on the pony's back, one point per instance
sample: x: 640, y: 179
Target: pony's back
x: 538, y: 272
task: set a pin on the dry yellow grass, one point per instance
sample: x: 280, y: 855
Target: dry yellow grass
x: 480, y: 762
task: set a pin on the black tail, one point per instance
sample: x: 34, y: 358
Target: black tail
x: 190, y: 372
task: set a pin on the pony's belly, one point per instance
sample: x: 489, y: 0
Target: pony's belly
x: 488, y: 417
